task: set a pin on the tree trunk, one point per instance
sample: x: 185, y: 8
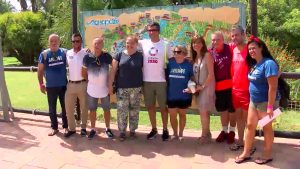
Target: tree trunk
x: 23, y: 4
x: 34, y: 5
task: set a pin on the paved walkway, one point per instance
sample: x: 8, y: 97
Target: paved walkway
x: 24, y: 144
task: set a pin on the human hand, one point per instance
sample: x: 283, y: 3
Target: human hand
x: 270, y: 112
x: 43, y: 88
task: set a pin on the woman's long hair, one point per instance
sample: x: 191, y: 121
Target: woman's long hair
x: 203, y: 50
x: 265, y: 51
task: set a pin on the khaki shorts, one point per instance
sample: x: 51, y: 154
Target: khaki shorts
x: 262, y: 107
x: 155, y: 91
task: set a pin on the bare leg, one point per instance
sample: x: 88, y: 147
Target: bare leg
x: 205, y: 122
x: 152, y: 115
x: 173, y: 120
x: 107, y: 117
x: 182, y: 121
x: 252, y: 121
x: 164, y: 116
x: 93, y: 118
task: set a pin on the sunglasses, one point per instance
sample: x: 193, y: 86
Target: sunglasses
x: 152, y: 30
x: 98, y: 61
x: 177, y: 52
x: 76, y: 41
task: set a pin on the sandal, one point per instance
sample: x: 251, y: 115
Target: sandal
x: 261, y: 161
x: 205, y: 139
x: 239, y: 160
x: 252, y: 150
x: 236, y: 147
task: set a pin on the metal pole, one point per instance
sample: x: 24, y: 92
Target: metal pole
x: 74, y: 16
x: 253, y: 9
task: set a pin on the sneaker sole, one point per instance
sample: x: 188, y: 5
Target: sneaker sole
x: 152, y: 138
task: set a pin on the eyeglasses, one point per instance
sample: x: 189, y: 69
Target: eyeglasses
x: 177, y: 52
x: 98, y: 61
x: 152, y: 30
x: 76, y: 41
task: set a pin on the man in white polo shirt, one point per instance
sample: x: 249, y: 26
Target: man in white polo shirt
x: 156, y: 53
x: 76, y: 87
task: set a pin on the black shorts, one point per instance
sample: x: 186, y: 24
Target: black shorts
x: 224, y: 101
x: 180, y: 104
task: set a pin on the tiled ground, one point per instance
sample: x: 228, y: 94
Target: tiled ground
x: 24, y: 144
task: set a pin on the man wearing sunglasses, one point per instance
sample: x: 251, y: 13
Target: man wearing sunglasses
x: 76, y: 87
x: 156, y: 53
x: 52, y: 66
x: 95, y: 69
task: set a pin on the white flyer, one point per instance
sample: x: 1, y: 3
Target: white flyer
x: 265, y: 120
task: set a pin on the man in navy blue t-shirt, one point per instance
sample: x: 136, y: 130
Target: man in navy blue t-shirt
x: 52, y: 66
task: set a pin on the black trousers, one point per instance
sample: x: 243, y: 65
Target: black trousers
x: 52, y: 94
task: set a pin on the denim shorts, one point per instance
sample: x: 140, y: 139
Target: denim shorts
x: 262, y: 107
x: 93, y: 103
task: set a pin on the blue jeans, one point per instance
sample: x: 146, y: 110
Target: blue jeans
x: 52, y: 94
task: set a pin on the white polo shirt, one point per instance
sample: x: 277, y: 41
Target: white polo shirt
x: 154, y: 59
x: 75, y: 61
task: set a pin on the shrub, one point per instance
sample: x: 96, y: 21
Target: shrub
x: 21, y: 33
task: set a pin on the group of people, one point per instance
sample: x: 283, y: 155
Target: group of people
x: 238, y: 79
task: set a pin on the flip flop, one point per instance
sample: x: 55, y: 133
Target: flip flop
x: 239, y: 160
x: 262, y: 161
x: 252, y: 151
x: 236, y: 147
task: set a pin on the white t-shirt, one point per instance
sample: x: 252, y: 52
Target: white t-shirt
x: 154, y: 59
x: 97, y: 86
x: 75, y: 64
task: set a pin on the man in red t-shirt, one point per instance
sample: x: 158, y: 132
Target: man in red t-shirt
x: 240, y: 82
x: 222, y: 55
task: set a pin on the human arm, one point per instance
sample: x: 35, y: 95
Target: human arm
x: 112, y: 75
x: 40, y: 73
x: 273, y: 84
x: 211, y: 74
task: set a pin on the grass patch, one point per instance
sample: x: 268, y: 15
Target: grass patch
x: 24, y: 93
x: 11, y: 61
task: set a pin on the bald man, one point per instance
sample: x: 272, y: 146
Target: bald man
x: 222, y: 55
x: 52, y: 67
x: 95, y: 70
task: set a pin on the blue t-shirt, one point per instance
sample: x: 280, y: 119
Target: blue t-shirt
x: 130, y: 70
x: 259, y: 87
x: 55, y: 67
x: 178, y: 75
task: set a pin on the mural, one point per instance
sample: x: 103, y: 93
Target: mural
x: 177, y: 23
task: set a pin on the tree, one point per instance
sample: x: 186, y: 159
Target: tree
x: 5, y: 7
x: 21, y: 33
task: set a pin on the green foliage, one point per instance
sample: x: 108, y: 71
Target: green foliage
x: 280, y: 19
x: 21, y: 33
x: 5, y: 6
x: 60, y: 22
x: 286, y: 59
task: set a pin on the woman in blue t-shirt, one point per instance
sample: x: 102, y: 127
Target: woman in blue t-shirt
x: 179, y: 72
x: 264, y: 97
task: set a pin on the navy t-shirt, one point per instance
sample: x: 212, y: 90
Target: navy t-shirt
x: 130, y: 70
x: 55, y: 68
x: 259, y: 86
x: 178, y: 76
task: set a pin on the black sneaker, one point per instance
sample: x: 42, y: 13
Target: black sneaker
x: 69, y: 133
x: 122, y: 136
x: 165, y: 135
x: 92, y: 134
x: 83, y: 132
x: 152, y: 134
x: 132, y: 134
x: 109, y: 133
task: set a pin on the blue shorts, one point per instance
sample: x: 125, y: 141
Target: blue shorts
x: 93, y: 103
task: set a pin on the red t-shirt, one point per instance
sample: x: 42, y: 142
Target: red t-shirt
x: 239, y: 70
